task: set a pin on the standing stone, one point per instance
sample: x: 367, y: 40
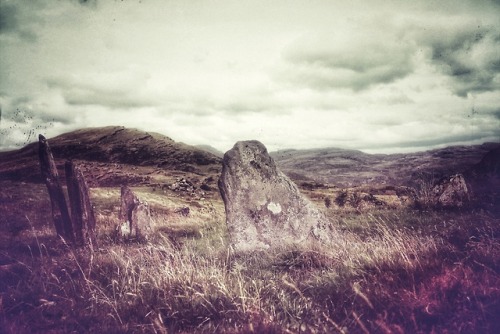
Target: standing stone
x: 82, y: 212
x: 135, y: 216
x: 264, y: 208
x: 451, y: 191
x: 60, y: 212
x: 127, y: 204
x: 141, y: 221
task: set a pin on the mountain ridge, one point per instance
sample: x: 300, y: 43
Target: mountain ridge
x: 110, y: 145
x: 350, y: 168
x: 333, y: 166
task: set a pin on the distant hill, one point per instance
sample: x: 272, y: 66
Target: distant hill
x: 211, y: 149
x: 113, y: 144
x: 137, y: 156
x: 347, y: 168
x: 489, y: 164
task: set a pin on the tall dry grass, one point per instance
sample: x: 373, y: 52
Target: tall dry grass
x: 205, y: 287
x: 388, y: 272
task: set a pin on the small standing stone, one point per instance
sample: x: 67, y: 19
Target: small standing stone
x: 82, y: 212
x: 135, y: 216
x: 141, y: 221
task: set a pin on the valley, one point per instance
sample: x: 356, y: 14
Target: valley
x: 401, y: 266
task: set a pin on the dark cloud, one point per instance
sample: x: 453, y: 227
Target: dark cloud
x: 88, y: 3
x: 258, y: 103
x: 491, y: 112
x: 469, y: 56
x: 45, y: 117
x: 357, y: 62
x: 438, y: 141
x: 11, y: 23
x: 112, y: 99
x: 21, y: 19
x: 8, y: 18
x: 84, y: 93
x: 26, y: 110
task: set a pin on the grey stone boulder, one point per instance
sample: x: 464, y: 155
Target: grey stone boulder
x: 134, y: 216
x: 264, y: 208
x: 451, y: 192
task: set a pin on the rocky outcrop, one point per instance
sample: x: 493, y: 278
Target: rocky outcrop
x: 451, y: 192
x: 489, y: 164
x: 183, y: 185
x: 264, y: 208
x: 358, y: 200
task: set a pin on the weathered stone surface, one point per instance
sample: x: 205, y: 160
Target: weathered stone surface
x: 82, y: 212
x: 183, y: 185
x: 141, y: 221
x: 451, y: 191
x: 264, y: 208
x: 127, y: 204
x: 60, y: 212
x: 135, y: 216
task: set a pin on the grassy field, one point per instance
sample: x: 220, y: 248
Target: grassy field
x: 396, y: 270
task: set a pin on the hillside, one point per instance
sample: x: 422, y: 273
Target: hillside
x: 114, y: 155
x: 124, y: 148
x: 350, y: 168
x: 393, y: 267
x: 211, y: 149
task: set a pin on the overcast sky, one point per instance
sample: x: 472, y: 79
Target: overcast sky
x: 379, y: 76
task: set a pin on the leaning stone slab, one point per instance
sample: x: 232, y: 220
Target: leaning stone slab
x: 264, y: 208
x: 60, y: 212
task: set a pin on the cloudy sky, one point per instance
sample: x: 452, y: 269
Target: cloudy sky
x: 379, y: 76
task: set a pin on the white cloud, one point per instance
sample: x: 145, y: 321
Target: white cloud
x: 467, y: 51
x: 380, y: 75
x: 349, y: 58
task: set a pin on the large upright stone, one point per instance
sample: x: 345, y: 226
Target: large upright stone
x: 60, y: 212
x: 264, y: 208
